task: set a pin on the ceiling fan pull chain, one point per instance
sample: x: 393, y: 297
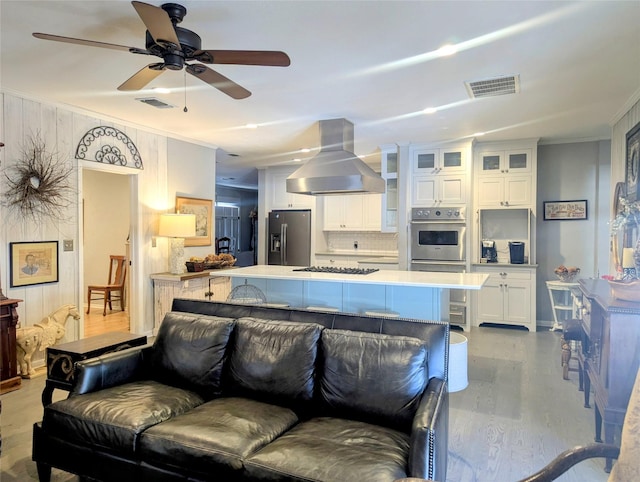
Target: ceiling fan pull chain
x: 185, y: 92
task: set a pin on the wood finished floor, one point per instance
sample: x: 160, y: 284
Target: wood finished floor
x: 516, y: 414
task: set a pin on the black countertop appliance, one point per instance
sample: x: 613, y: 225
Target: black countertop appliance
x: 516, y: 252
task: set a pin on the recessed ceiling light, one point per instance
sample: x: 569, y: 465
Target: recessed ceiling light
x: 447, y: 50
x: 430, y: 110
x: 162, y: 90
x: 305, y: 149
x: 478, y: 134
x: 251, y: 126
x: 296, y: 159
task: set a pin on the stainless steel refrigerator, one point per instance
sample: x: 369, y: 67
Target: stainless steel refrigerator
x: 289, y: 237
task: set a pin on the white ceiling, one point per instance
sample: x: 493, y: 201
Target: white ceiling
x: 371, y: 62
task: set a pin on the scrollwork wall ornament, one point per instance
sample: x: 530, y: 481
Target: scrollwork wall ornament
x: 38, y: 184
x: 107, y: 153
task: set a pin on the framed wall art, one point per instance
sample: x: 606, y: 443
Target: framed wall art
x: 33, y: 263
x: 202, y: 208
x: 632, y: 164
x: 565, y: 210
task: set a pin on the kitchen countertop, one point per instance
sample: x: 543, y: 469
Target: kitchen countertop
x: 469, y: 281
x: 358, y: 252
x: 380, y: 260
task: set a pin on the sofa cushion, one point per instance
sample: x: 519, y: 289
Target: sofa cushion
x: 189, y: 351
x: 274, y: 359
x: 216, y: 436
x: 327, y: 449
x: 373, y: 377
x: 114, y: 417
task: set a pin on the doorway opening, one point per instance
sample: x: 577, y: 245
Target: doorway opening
x: 106, y: 207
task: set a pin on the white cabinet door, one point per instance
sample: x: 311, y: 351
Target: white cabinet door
x: 504, y: 191
x: 281, y: 199
x: 436, y: 190
x: 371, y: 210
x: 490, y: 305
x: 333, y: 218
x: 439, y: 161
x: 517, y: 306
x: 389, y: 200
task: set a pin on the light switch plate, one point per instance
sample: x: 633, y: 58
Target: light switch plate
x: 67, y: 245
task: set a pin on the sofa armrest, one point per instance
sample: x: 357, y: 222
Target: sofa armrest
x: 571, y: 457
x: 429, y: 433
x: 110, y: 370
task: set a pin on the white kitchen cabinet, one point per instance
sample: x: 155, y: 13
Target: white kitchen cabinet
x: 440, y: 176
x: 197, y: 286
x: 352, y: 212
x: 438, y: 190
x: 504, y: 191
x: 280, y: 198
x: 505, y: 178
x: 439, y: 161
x: 508, y: 297
x: 389, y: 200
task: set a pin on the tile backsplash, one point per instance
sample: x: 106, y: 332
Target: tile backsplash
x: 366, y: 241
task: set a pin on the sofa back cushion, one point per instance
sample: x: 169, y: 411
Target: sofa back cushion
x: 373, y: 377
x: 274, y: 359
x: 189, y: 351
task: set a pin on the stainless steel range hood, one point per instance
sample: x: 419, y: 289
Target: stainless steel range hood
x: 335, y: 169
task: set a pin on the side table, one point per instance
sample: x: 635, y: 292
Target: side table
x: 561, y: 301
x: 61, y: 358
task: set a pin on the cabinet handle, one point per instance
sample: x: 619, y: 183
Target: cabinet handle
x: 506, y: 203
x: 501, y: 203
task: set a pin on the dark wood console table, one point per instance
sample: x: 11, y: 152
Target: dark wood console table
x: 9, y: 378
x: 612, y: 355
x: 61, y: 359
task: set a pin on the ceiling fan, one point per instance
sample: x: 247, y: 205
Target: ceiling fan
x: 177, y: 46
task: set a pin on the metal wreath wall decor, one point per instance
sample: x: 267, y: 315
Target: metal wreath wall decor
x: 108, y: 153
x: 38, y: 185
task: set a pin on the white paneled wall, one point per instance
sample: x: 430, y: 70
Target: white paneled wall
x: 61, y: 130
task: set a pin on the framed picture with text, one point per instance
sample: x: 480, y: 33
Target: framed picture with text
x: 565, y: 210
x: 33, y: 263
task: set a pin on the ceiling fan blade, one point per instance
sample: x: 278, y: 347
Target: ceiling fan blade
x: 158, y: 24
x: 89, y: 43
x: 218, y: 81
x: 142, y: 77
x: 243, y: 57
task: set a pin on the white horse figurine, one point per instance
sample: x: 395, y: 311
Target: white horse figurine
x: 42, y: 335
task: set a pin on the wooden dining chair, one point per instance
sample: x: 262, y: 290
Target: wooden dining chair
x: 223, y: 245
x: 114, y: 289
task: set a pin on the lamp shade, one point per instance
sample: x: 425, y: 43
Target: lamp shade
x: 177, y: 225
x: 458, y: 379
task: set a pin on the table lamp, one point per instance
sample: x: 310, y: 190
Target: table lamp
x: 177, y: 227
x: 458, y: 379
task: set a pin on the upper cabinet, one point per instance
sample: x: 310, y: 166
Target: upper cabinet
x: 352, y: 212
x: 279, y: 197
x: 505, y: 175
x: 439, y: 176
x: 389, y: 172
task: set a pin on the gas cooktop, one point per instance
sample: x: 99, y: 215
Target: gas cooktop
x: 336, y: 269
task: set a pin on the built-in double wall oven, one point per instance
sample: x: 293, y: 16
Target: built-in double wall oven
x: 438, y: 244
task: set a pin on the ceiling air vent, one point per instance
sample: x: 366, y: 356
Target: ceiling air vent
x: 155, y: 103
x: 509, y: 84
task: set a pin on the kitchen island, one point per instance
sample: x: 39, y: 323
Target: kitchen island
x: 410, y: 294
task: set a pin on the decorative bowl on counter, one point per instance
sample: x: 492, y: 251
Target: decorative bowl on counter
x: 194, y: 267
x: 566, y: 274
x: 625, y: 290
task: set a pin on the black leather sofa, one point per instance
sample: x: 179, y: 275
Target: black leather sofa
x: 231, y: 392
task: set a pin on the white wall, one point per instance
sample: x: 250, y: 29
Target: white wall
x: 105, y: 211
x: 62, y: 129
x: 569, y: 172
